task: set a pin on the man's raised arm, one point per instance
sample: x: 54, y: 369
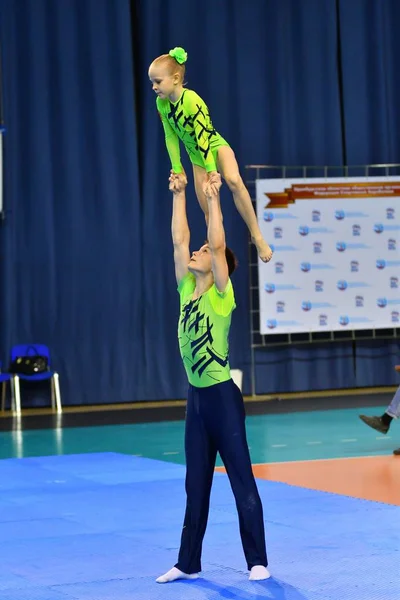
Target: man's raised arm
x: 179, y: 226
x: 216, y: 233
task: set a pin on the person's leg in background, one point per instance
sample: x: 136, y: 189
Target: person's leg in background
x: 382, y: 423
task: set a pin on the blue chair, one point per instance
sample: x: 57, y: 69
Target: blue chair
x: 4, y: 379
x: 35, y: 350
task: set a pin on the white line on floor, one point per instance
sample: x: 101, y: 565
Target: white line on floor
x: 313, y: 443
x: 349, y: 440
x: 167, y: 453
x: 383, y: 437
x: 278, y: 445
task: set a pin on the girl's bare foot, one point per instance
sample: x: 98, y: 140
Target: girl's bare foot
x: 263, y: 249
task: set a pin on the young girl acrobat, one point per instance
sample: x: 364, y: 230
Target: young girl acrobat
x: 186, y: 118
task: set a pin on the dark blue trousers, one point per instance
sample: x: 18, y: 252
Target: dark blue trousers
x: 215, y: 422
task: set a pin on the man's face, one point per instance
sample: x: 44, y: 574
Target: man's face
x: 200, y: 261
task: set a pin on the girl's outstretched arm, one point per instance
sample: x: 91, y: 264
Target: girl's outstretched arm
x: 172, y: 143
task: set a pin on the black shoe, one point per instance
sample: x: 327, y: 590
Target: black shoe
x: 396, y: 452
x: 375, y: 423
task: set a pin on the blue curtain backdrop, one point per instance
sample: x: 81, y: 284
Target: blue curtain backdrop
x: 71, y: 242
x: 370, y: 47
x: 86, y: 262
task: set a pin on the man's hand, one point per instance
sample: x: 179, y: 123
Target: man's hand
x: 182, y: 175
x: 177, y: 182
x: 213, y: 184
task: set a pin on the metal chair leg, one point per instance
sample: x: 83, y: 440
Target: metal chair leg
x: 12, y: 403
x: 57, y: 392
x: 53, y: 402
x: 17, y: 395
x: 3, y: 396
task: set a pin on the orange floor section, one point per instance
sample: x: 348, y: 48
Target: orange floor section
x: 370, y: 478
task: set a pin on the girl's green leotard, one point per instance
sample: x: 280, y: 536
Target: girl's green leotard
x: 188, y: 120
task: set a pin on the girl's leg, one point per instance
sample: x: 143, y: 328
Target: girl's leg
x: 200, y: 177
x: 229, y: 169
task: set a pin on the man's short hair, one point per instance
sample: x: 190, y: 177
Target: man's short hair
x: 231, y: 260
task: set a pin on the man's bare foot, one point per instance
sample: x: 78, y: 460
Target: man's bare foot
x: 174, y: 574
x: 259, y: 573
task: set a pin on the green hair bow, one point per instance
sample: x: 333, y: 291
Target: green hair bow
x: 179, y: 54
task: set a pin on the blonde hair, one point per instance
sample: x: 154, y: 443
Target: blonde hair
x: 172, y: 64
